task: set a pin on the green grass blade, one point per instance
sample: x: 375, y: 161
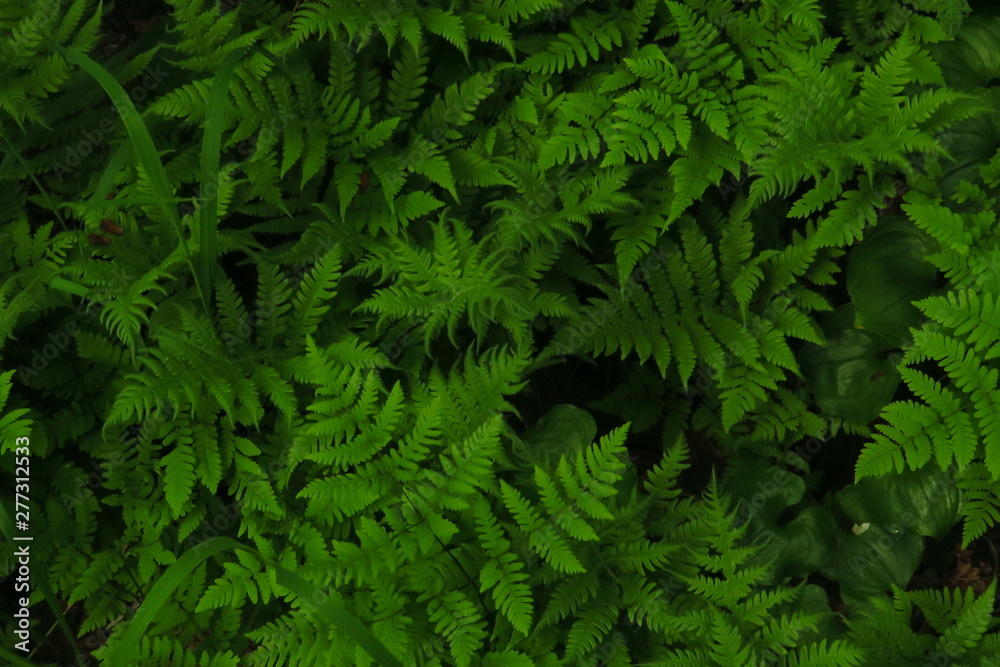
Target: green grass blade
x: 142, y: 142
x: 126, y: 649
x: 138, y: 201
x: 74, y: 96
x: 69, y: 287
x: 208, y: 222
x: 137, y: 130
x: 115, y: 165
x: 41, y: 578
x: 338, y: 615
x: 14, y: 659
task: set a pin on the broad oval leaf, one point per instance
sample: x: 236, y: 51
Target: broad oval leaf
x: 886, y: 273
x: 850, y: 376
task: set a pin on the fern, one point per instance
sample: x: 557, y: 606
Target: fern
x: 719, y: 631
x: 507, y: 184
x: 456, y: 279
x: 674, y: 319
x: 961, y: 621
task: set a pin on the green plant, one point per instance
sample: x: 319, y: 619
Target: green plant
x: 342, y: 391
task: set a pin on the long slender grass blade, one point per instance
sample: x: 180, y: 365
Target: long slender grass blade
x: 211, y: 145
x: 127, y: 647
x: 339, y: 616
x: 142, y: 143
x: 69, y: 287
x: 14, y: 659
x: 137, y: 130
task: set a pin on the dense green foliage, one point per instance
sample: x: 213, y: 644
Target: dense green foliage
x: 501, y: 333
